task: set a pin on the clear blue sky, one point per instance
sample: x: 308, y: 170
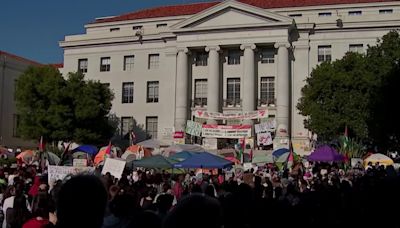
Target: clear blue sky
x: 32, y: 28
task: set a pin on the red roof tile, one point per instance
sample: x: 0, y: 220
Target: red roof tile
x: 189, y: 9
x: 19, y: 58
x: 57, y: 65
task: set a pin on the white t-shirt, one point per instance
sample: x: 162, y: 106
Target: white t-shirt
x: 8, y: 203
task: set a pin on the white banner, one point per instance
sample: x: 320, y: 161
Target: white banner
x: 234, y: 115
x: 114, y: 166
x: 193, y: 128
x: 264, y: 139
x: 224, y: 131
x: 60, y: 172
x: 270, y: 125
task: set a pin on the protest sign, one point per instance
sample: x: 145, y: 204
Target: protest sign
x: 78, y: 162
x: 60, y: 172
x: 193, y: 128
x: 114, y: 166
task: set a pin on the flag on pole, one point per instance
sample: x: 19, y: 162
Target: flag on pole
x: 41, y: 144
x: 65, y: 153
x: 132, y: 137
x: 107, y: 153
x: 346, y: 138
x: 290, y: 157
x: 240, y: 148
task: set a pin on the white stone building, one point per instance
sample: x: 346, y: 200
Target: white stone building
x: 165, y: 63
x: 11, y: 67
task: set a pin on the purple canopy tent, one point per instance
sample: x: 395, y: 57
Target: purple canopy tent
x: 325, y: 154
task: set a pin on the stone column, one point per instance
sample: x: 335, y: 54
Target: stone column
x: 181, y: 97
x: 213, y: 81
x: 283, y: 85
x: 248, y: 77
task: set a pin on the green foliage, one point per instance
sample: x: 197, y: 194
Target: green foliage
x: 357, y: 91
x: 62, y: 109
x: 336, y: 95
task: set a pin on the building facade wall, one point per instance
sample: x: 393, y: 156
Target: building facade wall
x: 296, y: 32
x: 10, y: 70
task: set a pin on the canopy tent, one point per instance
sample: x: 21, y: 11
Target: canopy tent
x: 138, y: 151
x: 279, y: 152
x: 150, y: 143
x: 325, y: 154
x: 89, y: 149
x: 169, y: 151
x: 378, y: 158
x: 182, y: 155
x: 4, y: 152
x: 204, y: 160
x: 102, y: 154
x: 157, y: 161
x: 129, y: 156
x: 52, y: 158
x: 26, y: 156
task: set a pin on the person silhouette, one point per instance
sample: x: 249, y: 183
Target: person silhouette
x: 81, y: 203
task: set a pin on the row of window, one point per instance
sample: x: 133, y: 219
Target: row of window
x: 152, y: 92
x: 266, y: 56
x: 267, y: 91
x: 139, y: 27
x: 128, y: 64
x: 350, y: 13
x: 325, y: 51
x: 151, y: 126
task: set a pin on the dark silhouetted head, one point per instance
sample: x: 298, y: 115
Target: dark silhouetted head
x: 195, y: 211
x: 81, y: 202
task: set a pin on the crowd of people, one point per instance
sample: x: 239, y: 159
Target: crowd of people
x: 319, y: 195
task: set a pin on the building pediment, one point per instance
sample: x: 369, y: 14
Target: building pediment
x: 231, y: 14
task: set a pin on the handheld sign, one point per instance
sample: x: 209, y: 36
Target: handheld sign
x: 114, y: 166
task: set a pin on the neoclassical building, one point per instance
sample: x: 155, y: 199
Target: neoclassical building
x: 170, y: 64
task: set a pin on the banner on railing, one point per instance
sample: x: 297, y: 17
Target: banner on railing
x: 232, y: 115
x: 224, y: 131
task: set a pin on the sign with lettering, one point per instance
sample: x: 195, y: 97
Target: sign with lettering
x: 114, y: 166
x: 61, y: 172
x: 259, y: 114
x: 264, y: 139
x: 270, y: 125
x: 179, y: 135
x: 225, y: 131
x: 193, y: 128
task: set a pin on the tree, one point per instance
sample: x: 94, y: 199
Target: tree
x: 357, y: 91
x: 337, y: 95
x: 384, y: 62
x: 63, y: 109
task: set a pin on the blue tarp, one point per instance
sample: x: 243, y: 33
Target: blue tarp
x: 204, y: 160
x: 89, y: 149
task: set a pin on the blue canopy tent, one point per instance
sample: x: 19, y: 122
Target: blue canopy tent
x: 180, y: 156
x: 279, y: 152
x: 89, y: 149
x: 204, y: 160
